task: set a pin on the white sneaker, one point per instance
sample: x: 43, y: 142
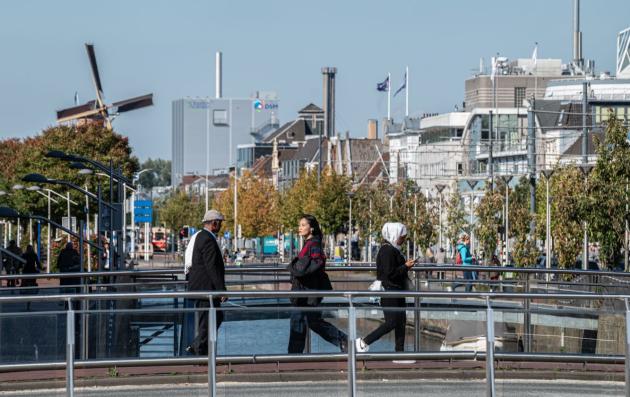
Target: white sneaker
x: 404, y: 361
x: 361, y: 346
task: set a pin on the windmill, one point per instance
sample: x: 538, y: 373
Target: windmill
x: 96, y: 110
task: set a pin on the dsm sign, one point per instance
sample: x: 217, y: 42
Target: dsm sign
x: 260, y: 105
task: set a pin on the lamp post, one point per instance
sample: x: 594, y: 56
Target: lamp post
x: 349, y: 246
x: 116, y: 176
x: 391, y: 192
x: 586, y: 169
x: 49, y: 199
x: 506, y: 179
x: 440, y: 188
x: 472, y: 183
x: 369, y: 251
x: 38, y: 178
x: 83, y: 170
x: 547, y: 174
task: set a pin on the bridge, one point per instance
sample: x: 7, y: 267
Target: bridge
x: 530, y: 324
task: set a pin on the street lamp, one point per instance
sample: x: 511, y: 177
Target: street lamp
x: 391, y: 192
x: 506, y: 179
x: 472, y: 183
x: 349, y: 246
x: 548, y: 174
x: 38, y: 178
x: 586, y: 169
x: 440, y: 188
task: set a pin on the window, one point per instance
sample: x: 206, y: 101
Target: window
x: 460, y: 169
x: 220, y: 117
x: 519, y: 96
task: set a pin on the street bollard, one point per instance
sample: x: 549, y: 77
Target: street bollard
x: 352, y: 353
x: 212, y: 349
x: 70, y: 350
x: 490, y: 392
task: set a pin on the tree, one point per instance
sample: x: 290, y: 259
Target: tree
x: 178, y: 210
x: 524, y: 249
x: 455, y: 217
x: 331, y: 201
x: 24, y: 156
x: 566, y: 219
x: 161, y: 175
x: 297, y: 200
x: 489, y: 219
x: 607, y: 199
x: 257, y: 206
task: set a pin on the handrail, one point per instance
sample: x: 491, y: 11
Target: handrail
x: 361, y: 268
x: 205, y: 295
x: 12, y: 255
x: 487, y: 297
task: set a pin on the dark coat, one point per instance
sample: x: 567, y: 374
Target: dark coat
x: 31, y: 266
x: 68, y: 261
x: 207, y: 272
x: 308, y: 272
x: 390, y: 268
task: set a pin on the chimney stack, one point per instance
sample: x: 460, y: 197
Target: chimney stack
x: 218, y: 82
x: 329, y: 74
x: 372, y: 129
x: 577, y: 35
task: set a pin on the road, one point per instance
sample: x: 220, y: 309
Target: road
x: 398, y: 388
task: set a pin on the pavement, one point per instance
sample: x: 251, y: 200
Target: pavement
x: 373, y: 388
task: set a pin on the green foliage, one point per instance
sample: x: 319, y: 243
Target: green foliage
x: 161, y: 175
x: 456, y: 221
x: 257, y: 206
x: 178, y: 210
x: 567, y: 186
x: 331, y: 201
x: 297, y: 200
x: 489, y: 219
x: 524, y: 251
x: 606, y: 205
x: 25, y: 156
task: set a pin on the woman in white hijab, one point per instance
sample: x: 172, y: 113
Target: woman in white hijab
x: 391, y: 270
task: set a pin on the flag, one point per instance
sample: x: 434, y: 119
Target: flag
x: 384, y: 86
x: 402, y: 86
x: 535, y: 55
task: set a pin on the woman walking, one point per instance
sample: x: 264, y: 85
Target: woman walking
x: 32, y: 266
x: 391, y: 270
x: 308, y: 272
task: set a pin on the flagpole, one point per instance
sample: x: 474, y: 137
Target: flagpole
x: 389, y: 95
x: 536, y: 70
x: 407, y: 91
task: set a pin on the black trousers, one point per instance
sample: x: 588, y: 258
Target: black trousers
x: 395, y: 320
x: 200, y: 343
x: 301, y: 322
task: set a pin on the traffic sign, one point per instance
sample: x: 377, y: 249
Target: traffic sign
x: 143, y: 211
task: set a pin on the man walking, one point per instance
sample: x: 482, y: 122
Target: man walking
x: 207, y: 273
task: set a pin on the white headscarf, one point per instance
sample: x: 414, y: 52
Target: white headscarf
x: 392, y: 231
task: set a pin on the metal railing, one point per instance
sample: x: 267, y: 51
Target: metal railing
x: 349, y: 296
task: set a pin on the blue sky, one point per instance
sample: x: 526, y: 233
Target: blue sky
x: 167, y: 47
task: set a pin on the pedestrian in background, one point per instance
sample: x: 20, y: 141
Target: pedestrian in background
x: 69, y: 261
x: 12, y: 265
x: 463, y: 249
x: 392, y: 270
x: 207, y: 273
x: 308, y: 272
